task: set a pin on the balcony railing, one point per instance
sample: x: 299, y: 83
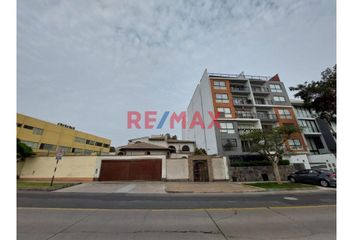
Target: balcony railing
x: 239, y: 89
x: 266, y: 116
x: 263, y: 101
x: 242, y: 101
x: 260, y: 90
x: 243, y: 114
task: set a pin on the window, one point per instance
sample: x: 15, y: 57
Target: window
x: 80, y: 140
x: 33, y: 145
x: 65, y: 149
x: 222, y: 98
x: 225, y: 112
x: 78, y: 150
x: 148, y: 153
x: 19, y: 125
x: 284, y: 114
x: 219, y: 85
x: 28, y: 127
x: 275, y: 88
x: 172, y: 148
x: 90, y: 142
x: 87, y: 152
x: 37, y: 131
x: 303, y: 112
x: 308, y: 126
x: 49, y: 147
x: 106, y: 145
x: 99, y: 144
x: 229, y: 144
x: 294, y: 144
x: 246, y: 146
x: 227, y: 128
x: 278, y: 99
x: 185, y: 148
x: 314, y: 144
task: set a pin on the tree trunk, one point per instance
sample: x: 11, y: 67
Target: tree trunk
x: 276, y: 172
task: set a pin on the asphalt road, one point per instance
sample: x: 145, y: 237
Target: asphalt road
x: 172, y: 201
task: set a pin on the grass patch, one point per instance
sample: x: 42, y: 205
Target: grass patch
x: 284, y: 186
x: 41, y: 186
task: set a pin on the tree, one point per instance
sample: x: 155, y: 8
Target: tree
x: 112, y: 149
x: 270, y: 144
x: 320, y: 95
x: 200, y: 151
x: 23, y: 151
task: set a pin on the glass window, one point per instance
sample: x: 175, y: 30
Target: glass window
x: 278, y: 99
x: 49, y: 147
x: 65, y: 149
x: 303, y: 112
x: 229, y: 144
x: 225, y: 112
x: 90, y: 142
x: 80, y: 140
x: 28, y: 127
x: 37, y: 131
x: 227, y: 128
x: 294, y: 144
x: 284, y: 114
x: 219, y: 85
x: 275, y: 88
x: 33, y: 145
x: 308, y: 126
x: 222, y: 98
x: 19, y: 125
x: 106, y: 145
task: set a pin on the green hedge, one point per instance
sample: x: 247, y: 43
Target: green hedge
x: 257, y: 163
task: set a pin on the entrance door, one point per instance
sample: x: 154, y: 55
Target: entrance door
x: 200, y: 171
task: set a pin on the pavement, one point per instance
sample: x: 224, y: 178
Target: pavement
x: 291, y: 222
x: 161, y: 187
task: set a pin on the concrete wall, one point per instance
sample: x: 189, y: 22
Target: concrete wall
x: 70, y: 168
x: 201, y: 102
x: 75, y: 168
x: 300, y: 159
x: 329, y: 160
x: 177, y: 169
x: 143, y: 152
x: 220, y: 169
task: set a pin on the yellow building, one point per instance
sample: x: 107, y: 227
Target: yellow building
x: 46, y: 138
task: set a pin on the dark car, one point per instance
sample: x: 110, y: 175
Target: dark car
x: 323, y: 178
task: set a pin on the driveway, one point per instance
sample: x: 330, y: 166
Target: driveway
x: 160, y: 187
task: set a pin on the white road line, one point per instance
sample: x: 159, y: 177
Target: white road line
x: 291, y: 198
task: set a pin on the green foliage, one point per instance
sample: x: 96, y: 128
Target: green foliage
x: 320, y: 95
x: 270, y: 143
x: 200, y: 151
x: 23, y: 151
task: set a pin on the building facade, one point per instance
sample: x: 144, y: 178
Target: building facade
x: 47, y: 138
x: 244, y: 102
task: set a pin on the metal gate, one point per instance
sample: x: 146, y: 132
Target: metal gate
x: 200, y: 171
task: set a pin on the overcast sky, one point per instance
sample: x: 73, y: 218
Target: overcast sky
x: 86, y: 63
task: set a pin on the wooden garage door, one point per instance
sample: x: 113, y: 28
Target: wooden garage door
x: 115, y: 170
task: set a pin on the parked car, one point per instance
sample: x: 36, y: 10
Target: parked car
x: 323, y: 178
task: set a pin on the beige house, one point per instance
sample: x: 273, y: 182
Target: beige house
x: 139, y: 160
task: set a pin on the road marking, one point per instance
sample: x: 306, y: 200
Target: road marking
x: 291, y: 198
x: 175, y: 209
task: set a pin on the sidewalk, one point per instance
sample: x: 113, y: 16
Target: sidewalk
x: 209, y: 187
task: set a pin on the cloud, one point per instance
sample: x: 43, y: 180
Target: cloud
x: 88, y: 62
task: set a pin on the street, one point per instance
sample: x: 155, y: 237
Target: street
x: 283, y: 215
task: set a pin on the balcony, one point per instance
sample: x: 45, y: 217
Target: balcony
x: 271, y: 117
x: 261, y: 101
x: 260, y: 90
x: 240, y: 89
x: 245, y: 114
x: 242, y: 101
